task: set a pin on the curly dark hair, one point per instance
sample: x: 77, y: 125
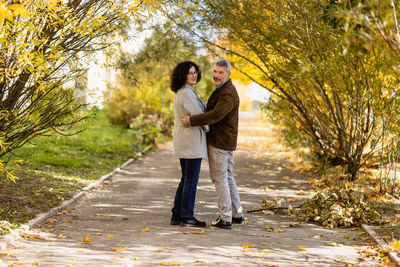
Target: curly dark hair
x: 178, y: 76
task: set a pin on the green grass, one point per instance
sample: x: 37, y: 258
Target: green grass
x: 55, y: 167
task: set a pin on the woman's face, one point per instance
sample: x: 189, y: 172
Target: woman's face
x: 191, y: 77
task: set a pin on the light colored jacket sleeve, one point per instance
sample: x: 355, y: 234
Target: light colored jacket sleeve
x: 194, y: 106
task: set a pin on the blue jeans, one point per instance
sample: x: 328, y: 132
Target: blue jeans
x: 185, y: 195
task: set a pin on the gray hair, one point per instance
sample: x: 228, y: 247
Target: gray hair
x: 224, y: 63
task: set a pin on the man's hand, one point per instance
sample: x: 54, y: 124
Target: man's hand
x: 186, y: 121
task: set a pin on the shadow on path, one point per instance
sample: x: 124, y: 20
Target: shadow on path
x: 126, y: 223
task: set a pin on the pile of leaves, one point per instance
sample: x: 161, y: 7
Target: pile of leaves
x: 340, y: 207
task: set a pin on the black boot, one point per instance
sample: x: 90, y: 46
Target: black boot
x: 192, y: 222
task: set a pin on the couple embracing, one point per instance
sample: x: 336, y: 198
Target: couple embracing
x: 205, y: 131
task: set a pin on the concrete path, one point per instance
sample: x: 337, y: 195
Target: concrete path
x: 126, y: 222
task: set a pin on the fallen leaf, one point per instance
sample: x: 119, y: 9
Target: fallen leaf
x: 395, y: 245
x: 51, y: 220
x: 198, y: 233
x: 87, y: 240
x: 205, y: 261
x: 109, y: 236
x: 159, y: 250
x: 333, y: 244
x: 265, y: 243
x: 144, y: 229
x: 96, y: 233
x: 286, y: 177
x: 118, y: 249
x: 303, y: 249
x: 169, y: 263
x: 248, y: 245
x: 31, y: 236
x: 268, y: 212
x: 387, y: 262
x: 68, y: 221
x: 61, y: 236
x: 386, y: 249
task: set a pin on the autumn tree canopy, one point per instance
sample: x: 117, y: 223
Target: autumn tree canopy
x: 335, y: 94
x: 44, y: 50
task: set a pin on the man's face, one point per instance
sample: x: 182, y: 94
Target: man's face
x: 220, y: 75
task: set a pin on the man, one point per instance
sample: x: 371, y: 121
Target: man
x: 222, y: 117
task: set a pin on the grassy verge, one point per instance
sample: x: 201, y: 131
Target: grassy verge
x: 56, y: 166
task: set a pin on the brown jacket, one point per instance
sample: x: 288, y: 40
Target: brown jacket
x: 222, y: 116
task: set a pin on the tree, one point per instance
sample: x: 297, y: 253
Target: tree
x: 44, y: 46
x: 335, y: 96
x: 143, y: 85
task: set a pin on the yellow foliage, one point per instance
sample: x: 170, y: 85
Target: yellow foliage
x: 18, y: 10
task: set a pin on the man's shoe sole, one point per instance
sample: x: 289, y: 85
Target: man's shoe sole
x: 191, y: 225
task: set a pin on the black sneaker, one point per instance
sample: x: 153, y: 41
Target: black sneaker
x: 192, y: 222
x: 175, y: 219
x: 222, y: 224
x: 238, y: 220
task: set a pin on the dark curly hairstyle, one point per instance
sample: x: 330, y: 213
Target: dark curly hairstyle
x: 178, y: 76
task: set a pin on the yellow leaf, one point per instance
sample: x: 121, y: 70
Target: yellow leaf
x: 18, y: 10
x: 5, y: 13
x: 265, y: 243
x: 303, y: 249
x: 248, y: 245
x: 198, y: 233
x: 87, y: 239
x: 286, y: 177
x: 96, y: 233
x: 205, y: 261
x: 73, y: 265
x: 52, y: 3
x: 395, y: 245
x: 31, y: 236
x: 245, y: 250
x: 168, y: 263
x: 109, y: 236
x: 268, y: 212
x: 118, y: 249
x: 144, y: 229
x: 61, y: 236
x: 386, y: 249
x: 68, y: 221
x: 159, y: 250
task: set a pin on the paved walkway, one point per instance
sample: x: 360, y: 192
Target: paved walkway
x: 126, y: 223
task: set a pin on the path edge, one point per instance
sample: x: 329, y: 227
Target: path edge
x: 16, y: 233
x: 392, y: 255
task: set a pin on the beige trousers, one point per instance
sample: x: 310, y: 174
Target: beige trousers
x: 221, y: 173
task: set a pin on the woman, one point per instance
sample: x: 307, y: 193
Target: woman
x: 189, y: 143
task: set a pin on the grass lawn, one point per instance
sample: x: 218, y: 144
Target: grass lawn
x: 56, y: 166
